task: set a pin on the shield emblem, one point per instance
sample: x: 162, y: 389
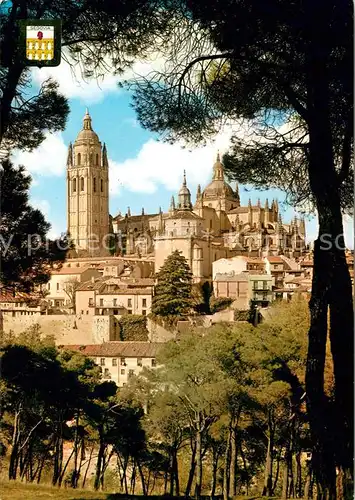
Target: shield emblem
x: 40, y: 43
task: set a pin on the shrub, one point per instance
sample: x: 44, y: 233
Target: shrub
x: 133, y: 327
x: 219, y: 304
x: 241, y: 315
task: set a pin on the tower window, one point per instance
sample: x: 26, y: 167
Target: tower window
x: 82, y: 185
x: 94, y: 185
x: 102, y: 186
x: 74, y: 185
x: 79, y: 158
x: 97, y: 159
x: 91, y: 158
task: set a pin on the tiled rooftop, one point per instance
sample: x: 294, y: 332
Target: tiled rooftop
x: 119, y: 349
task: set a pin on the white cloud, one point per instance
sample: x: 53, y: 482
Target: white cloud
x: 90, y: 91
x: 161, y: 164
x: 49, y: 159
x: 42, y: 205
x: 72, y: 85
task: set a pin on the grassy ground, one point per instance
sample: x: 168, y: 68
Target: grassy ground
x: 21, y: 491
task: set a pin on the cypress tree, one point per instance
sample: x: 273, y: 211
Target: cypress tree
x: 173, y: 290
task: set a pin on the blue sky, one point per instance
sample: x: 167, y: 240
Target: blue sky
x: 143, y: 171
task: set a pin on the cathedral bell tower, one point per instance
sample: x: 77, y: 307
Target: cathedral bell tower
x: 87, y: 191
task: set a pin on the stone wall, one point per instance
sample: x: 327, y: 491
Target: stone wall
x: 158, y: 333
x: 66, y: 329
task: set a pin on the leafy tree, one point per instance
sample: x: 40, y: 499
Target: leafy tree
x: 198, y: 382
x: 172, y: 295
x: 70, y: 288
x: 27, y: 256
x: 284, y: 70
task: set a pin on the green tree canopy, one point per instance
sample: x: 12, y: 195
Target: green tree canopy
x: 172, y: 296
x: 27, y: 255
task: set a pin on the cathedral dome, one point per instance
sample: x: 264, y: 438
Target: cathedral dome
x: 218, y: 187
x: 87, y: 132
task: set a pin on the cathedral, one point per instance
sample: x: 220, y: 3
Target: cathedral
x: 214, y: 226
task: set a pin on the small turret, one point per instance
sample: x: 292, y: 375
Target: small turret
x: 218, y: 172
x: 236, y: 195
x: 250, y: 213
x: 142, y: 210
x: 258, y: 204
x: 172, y: 204
x: 128, y: 212
x: 70, y: 156
x: 104, y: 156
x: 267, y: 215
x: 198, y: 193
x: 184, y: 196
x: 87, y: 120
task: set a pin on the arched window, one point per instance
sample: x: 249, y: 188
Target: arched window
x: 79, y: 158
x: 82, y: 185
x: 94, y: 184
x: 102, y: 186
x: 97, y: 159
x: 74, y: 185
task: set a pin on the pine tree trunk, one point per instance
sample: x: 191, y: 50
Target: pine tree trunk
x: 226, y: 470
x: 176, y: 474
x: 192, y: 470
x: 100, y: 457
x: 331, y: 281
x: 15, y: 443
x: 214, y: 472
x: 233, y: 461
x: 198, y: 482
x: 267, y: 490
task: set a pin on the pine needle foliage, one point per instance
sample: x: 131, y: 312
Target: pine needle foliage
x: 173, y: 289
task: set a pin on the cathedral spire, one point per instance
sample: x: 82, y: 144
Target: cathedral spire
x: 266, y: 204
x: 70, y: 156
x: 198, y: 192
x: 172, y: 204
x: 104, y: 156
x: 184, y: 196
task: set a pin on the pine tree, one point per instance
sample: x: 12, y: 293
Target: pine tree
x: 173, y: 290
x: 27, y: 255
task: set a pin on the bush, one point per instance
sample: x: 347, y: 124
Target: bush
x: 167, y: 322
x: 133, y: 327
x: 219, y: 304
x: 241, y: 315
